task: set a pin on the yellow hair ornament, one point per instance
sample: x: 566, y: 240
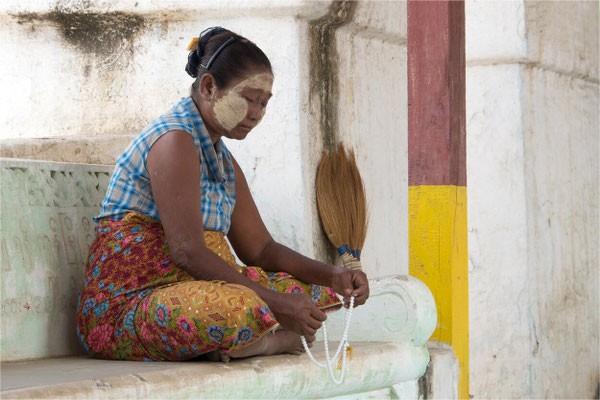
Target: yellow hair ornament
x: 193, y: 44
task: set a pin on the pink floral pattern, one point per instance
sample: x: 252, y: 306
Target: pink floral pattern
x: 294, y: 289
x: 186, y: 326
x: 252, y: 273
x: 99, y: 337
x: 145, y: 331
x: 136, y: 305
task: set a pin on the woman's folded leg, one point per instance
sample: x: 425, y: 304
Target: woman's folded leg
x: 184, y: 320
x: 323, y: 297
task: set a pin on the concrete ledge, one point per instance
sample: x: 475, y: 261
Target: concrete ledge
x: 74, y: 149
x: 266, y: 377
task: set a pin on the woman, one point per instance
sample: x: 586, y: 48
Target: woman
x: 161, y: 282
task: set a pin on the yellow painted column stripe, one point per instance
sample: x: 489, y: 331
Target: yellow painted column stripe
x: 439, y: 257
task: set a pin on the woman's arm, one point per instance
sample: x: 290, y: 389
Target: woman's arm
x: 174, y: 171
x: 254, y: 246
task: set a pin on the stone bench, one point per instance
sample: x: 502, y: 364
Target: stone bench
x: 47, y: 227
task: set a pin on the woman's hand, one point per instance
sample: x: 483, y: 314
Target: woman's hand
x: 296, y: 312
x: 347, y: 282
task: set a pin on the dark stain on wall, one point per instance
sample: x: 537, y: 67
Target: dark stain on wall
x: 424, y: 383
x: 91, y: 32
x: 324, y: 66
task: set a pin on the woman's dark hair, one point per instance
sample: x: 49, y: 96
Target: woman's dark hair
x: 226, y: 55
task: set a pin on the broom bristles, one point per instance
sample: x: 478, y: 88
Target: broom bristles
x: 341, y: 199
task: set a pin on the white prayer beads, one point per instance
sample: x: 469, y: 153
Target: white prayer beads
x: 343, y: 345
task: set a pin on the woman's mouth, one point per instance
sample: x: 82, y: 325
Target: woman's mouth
x: 245, y: 128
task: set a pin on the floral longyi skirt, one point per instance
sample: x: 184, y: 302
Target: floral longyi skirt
x: 136, y: 305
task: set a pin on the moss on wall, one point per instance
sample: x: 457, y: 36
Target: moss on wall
x: 324, y: 66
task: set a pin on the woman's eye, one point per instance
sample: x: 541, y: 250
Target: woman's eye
x: 250, y: 99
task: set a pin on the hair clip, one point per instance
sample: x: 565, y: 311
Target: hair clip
x: 213, y: 30
x: 216, y: 53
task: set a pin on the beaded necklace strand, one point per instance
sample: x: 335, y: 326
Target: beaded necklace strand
x: 343, y: 345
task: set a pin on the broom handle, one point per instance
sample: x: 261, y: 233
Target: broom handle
x: 351, y: 262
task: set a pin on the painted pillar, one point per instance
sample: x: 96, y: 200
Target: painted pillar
x: 437, y: 167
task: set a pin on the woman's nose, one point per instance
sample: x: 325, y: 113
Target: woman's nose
x: 255, y: 112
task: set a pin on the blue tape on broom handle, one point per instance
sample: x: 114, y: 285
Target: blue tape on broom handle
x: 346, y: 249
x: 343, y: 249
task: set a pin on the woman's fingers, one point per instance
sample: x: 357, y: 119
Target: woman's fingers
x: 310, y: 339
x: 313, y: 323
x: 318, y: 314
x: 360, y: 295
x: 346, y: 301
x: 361, y: 298
x: 361, y: 288
x: 313, y: 320
x: 316, y: 318
x: 308, y: 331
x: 359, y: 282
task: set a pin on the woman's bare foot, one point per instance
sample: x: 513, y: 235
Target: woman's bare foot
x: 217, y: 356
x: 281, y: 342
x: 284, y: 342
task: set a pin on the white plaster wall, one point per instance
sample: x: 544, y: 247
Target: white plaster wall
x: 53, y: 88
x: 561, y: 172
x: 499, y: 344
x: 499, y: 326
x: 271, y: 155
x: 372, y: 118
x: 532, y: 156
x: 495, y: 30
x: 563, y: 37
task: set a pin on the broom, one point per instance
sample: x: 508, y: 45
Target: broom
x: 342, y: 204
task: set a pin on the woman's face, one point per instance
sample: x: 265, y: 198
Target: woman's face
x: 238, y: 108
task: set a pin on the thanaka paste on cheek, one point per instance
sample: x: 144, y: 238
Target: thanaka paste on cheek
x: 232, y: 108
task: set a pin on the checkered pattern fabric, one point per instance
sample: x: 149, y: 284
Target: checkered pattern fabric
x: 129, y: 189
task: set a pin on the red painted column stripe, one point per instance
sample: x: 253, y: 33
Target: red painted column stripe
x: 438, y: 248
x: 436, y: 93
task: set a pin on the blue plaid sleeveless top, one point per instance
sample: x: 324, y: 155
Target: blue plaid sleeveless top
x: 129, y: 188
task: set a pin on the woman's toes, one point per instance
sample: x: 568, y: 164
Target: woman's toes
x: 217, y: 356
x: 224, y: 356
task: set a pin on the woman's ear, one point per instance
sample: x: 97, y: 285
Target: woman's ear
x: 208, y: 87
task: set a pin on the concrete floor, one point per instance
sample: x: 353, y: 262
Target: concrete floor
x: 374, y: 366
x: 20, y: 374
